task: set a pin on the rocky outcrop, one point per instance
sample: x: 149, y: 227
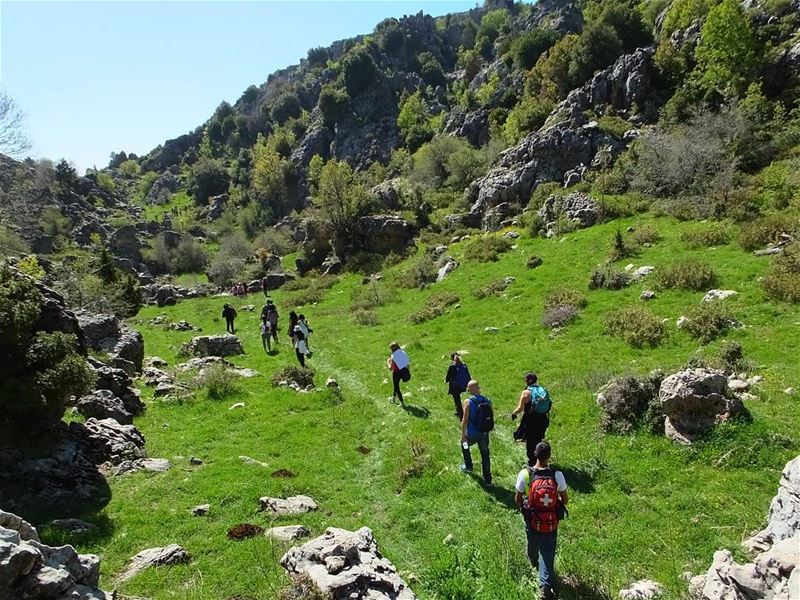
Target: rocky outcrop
x: 383, y: 233
x: 693, y: 401
x: 472, y: 125
x: 577, y: 207
x: 119, y: 383
x: 103, y: 404
x: 348, y: 565
x: 154, y: 557
x: 54, y: 315
x: 774, y: 572
x: 32, y: 570
x: 563, y: 16
x: 317, y: 140
x: 107, y: 441
x: 213, y: 345
x: 163, y: 188
x: 169, y: 295
x: 125, y: 243
x: 105, y: 333
x: 389, y: 194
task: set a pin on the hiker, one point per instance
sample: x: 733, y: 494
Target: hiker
x: 457, y: 379
x: 293, y: 322
x: 535, y: 404
x: 271, y: 312
x: 307, y: 331
x: 541, y: 496
x: 229, y: 314
x: 266, y: 334
x: 477, y: 422
x: 265, y: 286
x: 398, y: 363
x: 300, y: 348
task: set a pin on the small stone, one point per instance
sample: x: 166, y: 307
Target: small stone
x: 491, y: 329
x: 152, y: 557
x: 737, y: 385
x: 156, y: 465
x: 642, y: 590
x: 512, y: 235
x: 156, y: 362
x: 755, y: 380
x: 164, y: 389
x: 195, y: 462
x: 449, y: 539
x: 287, y: 533
x: 237, y: 405
x: 681, y: 322
x: 331, y: 383
x: 789, y: 391
x: 293, y: 505
x: 252, y: 461
x: 200, y: 510
x: 712, y: 295
x: 647, y: 295
x: 248, y: 308
x: 75, y: 526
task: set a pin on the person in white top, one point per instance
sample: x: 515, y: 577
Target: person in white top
x: 300, y: 348
x: 541, y: 496
x: 398, y: 363
x: 307, y: 331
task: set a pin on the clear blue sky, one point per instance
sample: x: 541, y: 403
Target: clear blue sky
x: 97, y: 77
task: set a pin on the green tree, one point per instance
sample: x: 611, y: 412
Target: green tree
x: 340, y: 201
x: 207, y: 178
x: 358, y: 70
x: 527, y: 48
x: 286, y: 107
x: 727, y: 54
x: 270, y: 175
x: 430, y: 69
x: 332, y: 103
x: 130, y: 168
x: 413, y: 121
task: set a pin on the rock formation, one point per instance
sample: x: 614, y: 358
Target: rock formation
x: 213, y: 345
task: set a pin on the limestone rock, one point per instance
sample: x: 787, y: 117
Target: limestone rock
x: 450, y: 265
x: 645, y: 589
x: 202, y: 363
x: 25, y: 530
x: 153, y: 557
x: 293, y: 505
x: 163, y: 188
x: 348, y: 565
x: 109, y: 441
x: 120, y: 384
x: 472, y: 125
x: 214, y: 345
x: 712, y: 295
x: 200, y: 510
x: 154, y: 376
x: 578, y: 207
x: 103, y: 404
x: 647, y: 295
x: 287, y: 533
x: 783, y: 518
x: 164, y: 389
x: 216, y: 206
x: 694, y: 400
x: 641, y: 272
x: 382, y: 233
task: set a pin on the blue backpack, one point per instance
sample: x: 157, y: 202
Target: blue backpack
x: 540, y: 400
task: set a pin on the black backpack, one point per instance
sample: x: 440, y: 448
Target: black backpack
x: 484, y: 414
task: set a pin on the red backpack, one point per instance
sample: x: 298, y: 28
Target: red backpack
x: 543, y: 501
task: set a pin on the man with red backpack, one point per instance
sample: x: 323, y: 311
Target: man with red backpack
x: 541, y: 496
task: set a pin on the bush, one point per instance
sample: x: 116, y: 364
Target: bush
x: 767, y: 230
x: 689, y: 274
x: 711, y: 235
x: 302, y: 587
x: 302, y: 376
x: 421, y: 273
x: 286, y: 107
x: 486, y: 248
x: 207, y: 178
x: 533, y: 262
x: 783, y: 280
x: 708, y: 321
x: 564, y: 296
x: 528, y: 47
x: 218, y: 380
x: 608, y: 278
x: 366, y: 297
x: 435, y: 306
x: 358, y: 70
x: 189, y: 256
x: 367, y: 318
x: 646, y: 234
x: 559, y: 315
x: 418, y: 462
x: 627, y: 401
x: 636, y: 325
x: 332, y: 104
x: 619, y: 249
x: 39, y: 371
x: 495, y: 288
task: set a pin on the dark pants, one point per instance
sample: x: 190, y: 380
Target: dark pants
x: 542, y: 554
x: 397, y: 377
x: 457, y: 401
x: 229, y: 326
x: 482, y: 439
x: 301, y: 357
x: 275, y: 331
x: 534, y: 433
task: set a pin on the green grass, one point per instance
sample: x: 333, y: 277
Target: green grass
x: 641, y: 507
x: 181, y: 200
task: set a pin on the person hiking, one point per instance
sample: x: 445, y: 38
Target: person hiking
x: 477, y: 422
x: 293, y: 320
x: 271, y: 312
x: 229, y: 314
x: 307, y: 331
x: 265, y: 286
x: 457, y: 378
x: 266, y: 334
x: 541, y: 496
x: 300, y: 348
x: 398, y: 363
x: 535, y: 404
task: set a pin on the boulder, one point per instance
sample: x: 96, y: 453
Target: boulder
x: 97, y: 328
x: 450, y: 265
x: 783, y: 518
x: 276, y: 279
x: 646, y: 589
x: 216, y: 206
x: 332, y: 265
x: 106, y: 440
x: 153, y: 557
x: 32, y: 570
x: 120, y: 384
x: 103, y: 404
x: 348, y: 565
x: 73, y: 526
x: 25, y: 530
x: 287, y: 533
x: 693, y: 401
x: 713, y: 295
x: 213, y: 345
x: 382, y: 233
x: 578, y: 207
x: 125, y: 243
x: 202, y: 363
x: 471, y: 125
x: 293, y: 505
x: 389, y: 194
x: 152, y: 376
x: 163, y: 188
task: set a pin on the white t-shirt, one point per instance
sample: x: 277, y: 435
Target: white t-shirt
x: 522, y: 480
x: 400, y: 358
x: 303, y: 328
x: 301, y: 347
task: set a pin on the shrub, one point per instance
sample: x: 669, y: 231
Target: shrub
x: 421, y: 273
x: 766, y: 230
x: 533, y: 262
x: 418, y: 462
x: 496, y: 287
x: 218, y: 380
x: 302, y: 376
x: 619, y: 249
x: 364, y: 317
x: 612, y: 125
x: 636, y: 325
x: 627, y: 401
x: 689, y: 274
x: 30, y: 266
x: 783, y: 280
x: 435, y: 306
x: 646, y: 234
x: 332, y: 103
x: 374, y: 293
x: 302, y: 587
x: 559, y: 315
x: 564, y: 296
x: 130, y: 168
x: 708, y: 320
x: 207, y: 178
x: 528, y: 47
x: 486, y: 248
x: 358, y: 70
x: 608, y: 278
x: 711, y: 235
x: 286, y: 107
x: 189, y: 256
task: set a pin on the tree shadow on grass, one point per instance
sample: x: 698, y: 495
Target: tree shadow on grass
x: 578, y: 479
x: 571, y: 588
x: 419, y: 412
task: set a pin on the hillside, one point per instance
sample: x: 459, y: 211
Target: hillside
x: 555, y: 187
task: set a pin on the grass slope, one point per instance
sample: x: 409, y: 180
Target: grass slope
x: 641, y: 506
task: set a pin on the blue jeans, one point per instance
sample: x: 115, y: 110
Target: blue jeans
x: 542, y: 550
x: 482, y: 439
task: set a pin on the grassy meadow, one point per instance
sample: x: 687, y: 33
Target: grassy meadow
x: 641, y: 506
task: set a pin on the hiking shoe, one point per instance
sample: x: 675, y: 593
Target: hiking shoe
x: 548, y: 593
x: 464, y: 469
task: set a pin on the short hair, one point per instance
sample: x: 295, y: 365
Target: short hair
x: 542, y: 451
x: 301, y: 316
x: 394, y: 346
x: 453, y: 355
x: 531, y: 378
